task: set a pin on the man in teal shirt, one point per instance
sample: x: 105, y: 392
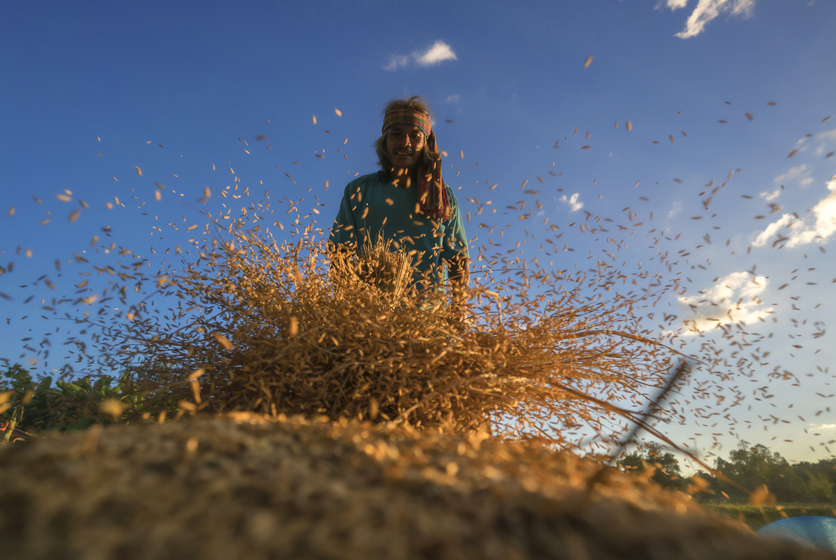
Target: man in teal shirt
x: 407, y: 202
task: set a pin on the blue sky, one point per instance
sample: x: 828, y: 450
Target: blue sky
x: 93, y: 90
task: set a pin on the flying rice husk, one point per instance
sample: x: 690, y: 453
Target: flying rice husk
x: 295, y: 329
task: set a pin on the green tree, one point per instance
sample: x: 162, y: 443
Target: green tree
x: 33, y: 405
x: 819, y: 488
x: 824, y: 467
x: 785, y: 483
x: 753, y: 466
x: 15, y: 378
x: 666, y: 472
x: 14, y: 390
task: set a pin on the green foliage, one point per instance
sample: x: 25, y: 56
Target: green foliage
x: 819, y: 487
x: 38, y: 405
x: 15, y: 378
x: 817, y: 476
x: 749, y: 467
x: 659, y: 466
x: 752, y: 466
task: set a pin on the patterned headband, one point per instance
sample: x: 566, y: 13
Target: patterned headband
x: 407, y: 116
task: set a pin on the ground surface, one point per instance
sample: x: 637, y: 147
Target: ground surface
x: 250, y: 487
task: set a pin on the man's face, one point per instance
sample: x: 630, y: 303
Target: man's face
x: 404, y: 145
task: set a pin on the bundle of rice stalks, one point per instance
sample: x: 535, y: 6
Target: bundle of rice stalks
x: 294, y: 488
x: 380, y: 265
x: 292, y: 329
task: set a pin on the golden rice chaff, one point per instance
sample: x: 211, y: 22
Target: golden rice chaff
x: 297, y: 329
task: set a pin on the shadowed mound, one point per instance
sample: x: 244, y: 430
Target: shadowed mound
x: 256, y: 487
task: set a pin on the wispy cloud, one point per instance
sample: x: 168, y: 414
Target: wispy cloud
x: 675, y: 209
x: 453, y: 98
x: 574, y: 203
x: 823, y: 426
x: 800, y: 173
x: 829, y: 135
x: 770, y: 196
x: 828, y: 139
x: 733, y: 299
x: 396, y: 61
x: 707, y: 10
x: 436, y: 54
x: 818, y: 225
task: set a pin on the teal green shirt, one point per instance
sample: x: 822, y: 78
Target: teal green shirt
x: 373, y: 206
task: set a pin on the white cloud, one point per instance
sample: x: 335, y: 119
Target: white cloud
x: 436, y: 54
x: 573, y: 202
x: 772, y: 229
x: 396, y: 61
x: 828, y: 138
x: 439, y: 52
x: 828, y: 135
x: 771, y: 196
x: 707, y: 10
x: 800, y: 173
x: 452, y: 98
x: 677, y: 208
x: 823, y: 426
x: 733, y: 299
x: 817, y: 226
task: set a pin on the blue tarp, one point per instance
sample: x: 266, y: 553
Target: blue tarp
x: 814, y: 532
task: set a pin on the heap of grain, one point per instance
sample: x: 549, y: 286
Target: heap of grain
x: 255, y: 487
x: 390, y: 455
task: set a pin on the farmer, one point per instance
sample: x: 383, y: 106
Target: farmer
x: 408, y: 203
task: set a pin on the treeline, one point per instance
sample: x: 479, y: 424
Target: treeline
x: 30, y: 406
x: 749, y: 467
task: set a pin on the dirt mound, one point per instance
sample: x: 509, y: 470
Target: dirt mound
x: 252, y: 487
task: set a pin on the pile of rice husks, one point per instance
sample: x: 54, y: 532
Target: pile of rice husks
x: 249, y: 486
x: 288, y: 329
x: 259, y: 339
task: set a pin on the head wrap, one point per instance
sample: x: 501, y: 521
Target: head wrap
x: 407, y: 116
x: 432, y: 194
